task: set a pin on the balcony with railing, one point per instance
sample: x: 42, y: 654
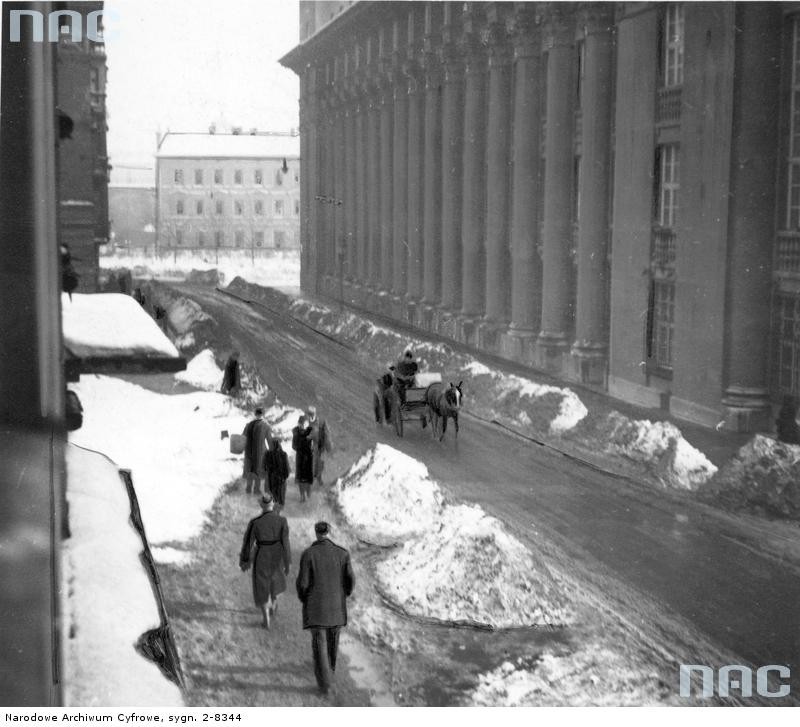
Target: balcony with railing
x: 668, y: 105
x: 787, y: 255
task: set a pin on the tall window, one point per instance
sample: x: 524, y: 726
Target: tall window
x: 218, y: 206
x: 179, y: 176
x: 661, y: 323
x: 198, y: 176
x: 279, y: 208
x: 278, y: 177
x: 219, y: 238
x: 239, y: 237
x: 258, y: 207
x: 199, y: 207
x: 179, y: 237
x: 237, y: 176
x: 673, y: 45
x: 279, y: 239
x: 259, y: 237
x: 238, y: 207
x: 217, y: 176
x: 258, y: 176
x: 668, y: 185
x: 179, y: 207
x: 201, y: 239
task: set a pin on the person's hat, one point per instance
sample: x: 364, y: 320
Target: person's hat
x: 266, y: 499
x: 259, y: 411
x: 408, y: 352
x: 311, y: 409
x: 321, y: 528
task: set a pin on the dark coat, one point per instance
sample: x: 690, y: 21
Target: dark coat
x: 258, y: 439
x: 266, y: 548
x: 230, y: 378
x: 324, y: 582
x: 276, y: 464
x: 304, y: 462
x: 320, y: 443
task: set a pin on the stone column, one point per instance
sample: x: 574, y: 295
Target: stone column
x: 432, y: 213
x: 338, y: 258
x: 386, y: 159
x: 557, y: 242
x: 399, y: 187
x: 361, y: 211
x: 374, y: 192
x: 305, y: 178
x: 756, y: 83
x: 589, y: 352
x: 350, y: 189
x: 526, y: 268
x: 416, y: 185
x: 473, y: 229
x: 452, y: 172
x: 498, y: 257
x: 312, y: 171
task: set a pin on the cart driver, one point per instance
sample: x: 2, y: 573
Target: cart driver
x: 404, y: 372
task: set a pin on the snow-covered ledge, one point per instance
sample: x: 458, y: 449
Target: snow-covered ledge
x: 110, y: 602
x: 111, y: 333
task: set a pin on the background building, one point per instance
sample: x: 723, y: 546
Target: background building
x: 132, y: 208
x: 228, y: 191
x: 82, y: 157
x: 605, y: 191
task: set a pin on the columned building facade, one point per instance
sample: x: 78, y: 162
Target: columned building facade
x: 608, y: 192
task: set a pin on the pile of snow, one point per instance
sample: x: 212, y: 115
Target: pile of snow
x: 593, y: 676
x: 172, y: 444
x: 202, y: 371
x: 470, y: 569
x: 185, y: 314
x: 388, y: 497
x: 276, y: 269
x: 110, y: 324
x: 763, y: 476
x: 570, y: 408
x: 110, y: 600
x: 661, y: 445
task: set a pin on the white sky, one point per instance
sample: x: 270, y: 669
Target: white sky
x: 182, y: 64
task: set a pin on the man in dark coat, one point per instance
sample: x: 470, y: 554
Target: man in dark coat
x: 231, y: 380
x: 258, y: 440
x: 304, y: 460
x: 404, y: 373
x: 324, y: 582
x: 320, y: 441
x: 266, y: 548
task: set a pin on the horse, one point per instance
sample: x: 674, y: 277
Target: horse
x: 443, y: 404
x: 382, y: 398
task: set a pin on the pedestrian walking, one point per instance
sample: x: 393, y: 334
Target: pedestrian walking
x: 321, y: 443
x: 258, y: 440
x: 276, y: 464
x: 786, y: 424
x: 304, y: 458
x: 231, y: 377
x: 324, y: 582
x: 266, y: 548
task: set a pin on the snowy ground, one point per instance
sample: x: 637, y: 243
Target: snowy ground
x: 280, y: 269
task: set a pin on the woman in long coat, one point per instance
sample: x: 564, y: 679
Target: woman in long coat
x: 266, y: 548
x: 304, y: 459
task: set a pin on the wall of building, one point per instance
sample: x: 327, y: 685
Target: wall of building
x: 605, y: 188
x: 278, y: 193
x: 132, y: 213
x: 82, y: 158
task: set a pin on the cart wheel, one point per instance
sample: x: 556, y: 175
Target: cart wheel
x: 397, y: 415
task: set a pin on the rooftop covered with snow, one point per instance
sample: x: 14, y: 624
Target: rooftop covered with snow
x: 232, y: 146
x: 111, y: 333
